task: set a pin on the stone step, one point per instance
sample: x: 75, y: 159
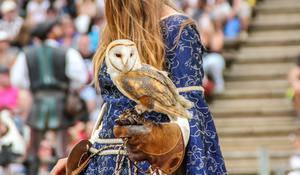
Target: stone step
x: 276, y: 21
x: 251, y: 103
x: 274, y: 33
x: 250, y: 166
x: 270, y: 49
x: 251, y: 93
x: 257, y: 130
x: 276, y: 2
x: 253, y: 112
x: 276, y: 18
x: 251, y: 143
x: 263, y: 111
x: 286, y: 6
x: 266, y: 58
x: 273, y: 146
x: 267, y: 26
x: 258, y: 71
x: 254, y: 155
x: 251, y: 147
x: 254, y: 121
x: 289, y: 37
x: 252, y: 107
x: 247, y: 77
x: 257, y: 84
x: 275, y: 7
x: 263, y: 68
x: 231, y: 43
x: 268, y: 54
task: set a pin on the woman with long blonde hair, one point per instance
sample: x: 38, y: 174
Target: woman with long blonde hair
x: 169, y: 41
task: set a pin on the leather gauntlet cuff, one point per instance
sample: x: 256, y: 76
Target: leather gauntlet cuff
x: 161, y: 145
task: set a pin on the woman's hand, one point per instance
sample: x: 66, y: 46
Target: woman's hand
x: 160, y: 144
x: 60, y: 167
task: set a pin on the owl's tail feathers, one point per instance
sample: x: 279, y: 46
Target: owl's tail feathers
x: 185, y: 103
x: 174, y: 111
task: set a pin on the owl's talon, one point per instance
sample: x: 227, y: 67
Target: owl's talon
x: 130, y: 117
x: 140, y: 109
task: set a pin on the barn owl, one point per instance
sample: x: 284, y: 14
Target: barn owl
x: 149, y: 87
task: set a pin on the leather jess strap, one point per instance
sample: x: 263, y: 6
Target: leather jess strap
x: 190, y: 88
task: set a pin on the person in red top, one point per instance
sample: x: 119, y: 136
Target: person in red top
x: 9, y: 94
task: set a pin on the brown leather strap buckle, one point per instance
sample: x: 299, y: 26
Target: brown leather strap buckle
x: 78, y: 158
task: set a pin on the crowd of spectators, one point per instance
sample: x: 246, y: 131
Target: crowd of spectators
x: 78, y: 27
x: 80, y: 24
x: 218, y: 20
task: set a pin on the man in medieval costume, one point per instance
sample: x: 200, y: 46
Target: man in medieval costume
x: 48, y: 71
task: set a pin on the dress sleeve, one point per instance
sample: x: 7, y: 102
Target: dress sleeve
x: 184, y: 57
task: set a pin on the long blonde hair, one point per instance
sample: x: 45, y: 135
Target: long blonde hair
x: 137, y: 20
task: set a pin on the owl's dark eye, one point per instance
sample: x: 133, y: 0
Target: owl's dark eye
x: 118, y: 55
x: 131, y: 54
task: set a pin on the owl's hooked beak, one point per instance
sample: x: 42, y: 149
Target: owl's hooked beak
x: 125, y: 63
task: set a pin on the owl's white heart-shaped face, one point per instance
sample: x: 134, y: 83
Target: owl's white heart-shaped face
x: 122, y: 56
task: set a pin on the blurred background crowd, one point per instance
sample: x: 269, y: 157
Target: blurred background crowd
x: 73, y: 25
x: 76, y: 26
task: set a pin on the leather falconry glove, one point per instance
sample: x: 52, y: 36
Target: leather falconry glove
x: 161, y: 144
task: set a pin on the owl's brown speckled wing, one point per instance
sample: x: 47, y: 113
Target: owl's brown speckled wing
x: 146, y: 88
x: 154, y: 90
x: 162, y: 76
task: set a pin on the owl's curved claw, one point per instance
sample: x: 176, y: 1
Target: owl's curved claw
x: 130, y: 117
x: 140, y: 109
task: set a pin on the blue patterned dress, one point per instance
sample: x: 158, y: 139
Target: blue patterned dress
x: 184, y: 63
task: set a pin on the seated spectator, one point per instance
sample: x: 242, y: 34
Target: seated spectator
x: 9, y: 94
x: 101, y: 5
x: 294, y: 81
x: 295, y: 158
x: 252, y: 3
x: 242, y: 10
x: 96, y: 30
x: 23, y: 38
x: 87, y: 7
x: 23, y: 98
x: 70, y: 35
x: 52, y: 12
x: 220, y: 11
x: 12, y: 145
x: 7, y: 56
x: 208, y: 86
x: 11, y: 22
x: 189, y: 6
x: 46, y: 154
x: 87, y: 11
x: 213, y: 66
x: 37, y: 11
x: 77, y: 132
x: 69, y: 7
x: 232, y: 28
x: 202, y: 17
x: 12, y: 99
x: 88, y: 93
x: 212, y: 38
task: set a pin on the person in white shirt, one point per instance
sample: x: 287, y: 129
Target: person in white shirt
x: 11, y: 22
x: 37, y: 11
x: 295, y: 157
